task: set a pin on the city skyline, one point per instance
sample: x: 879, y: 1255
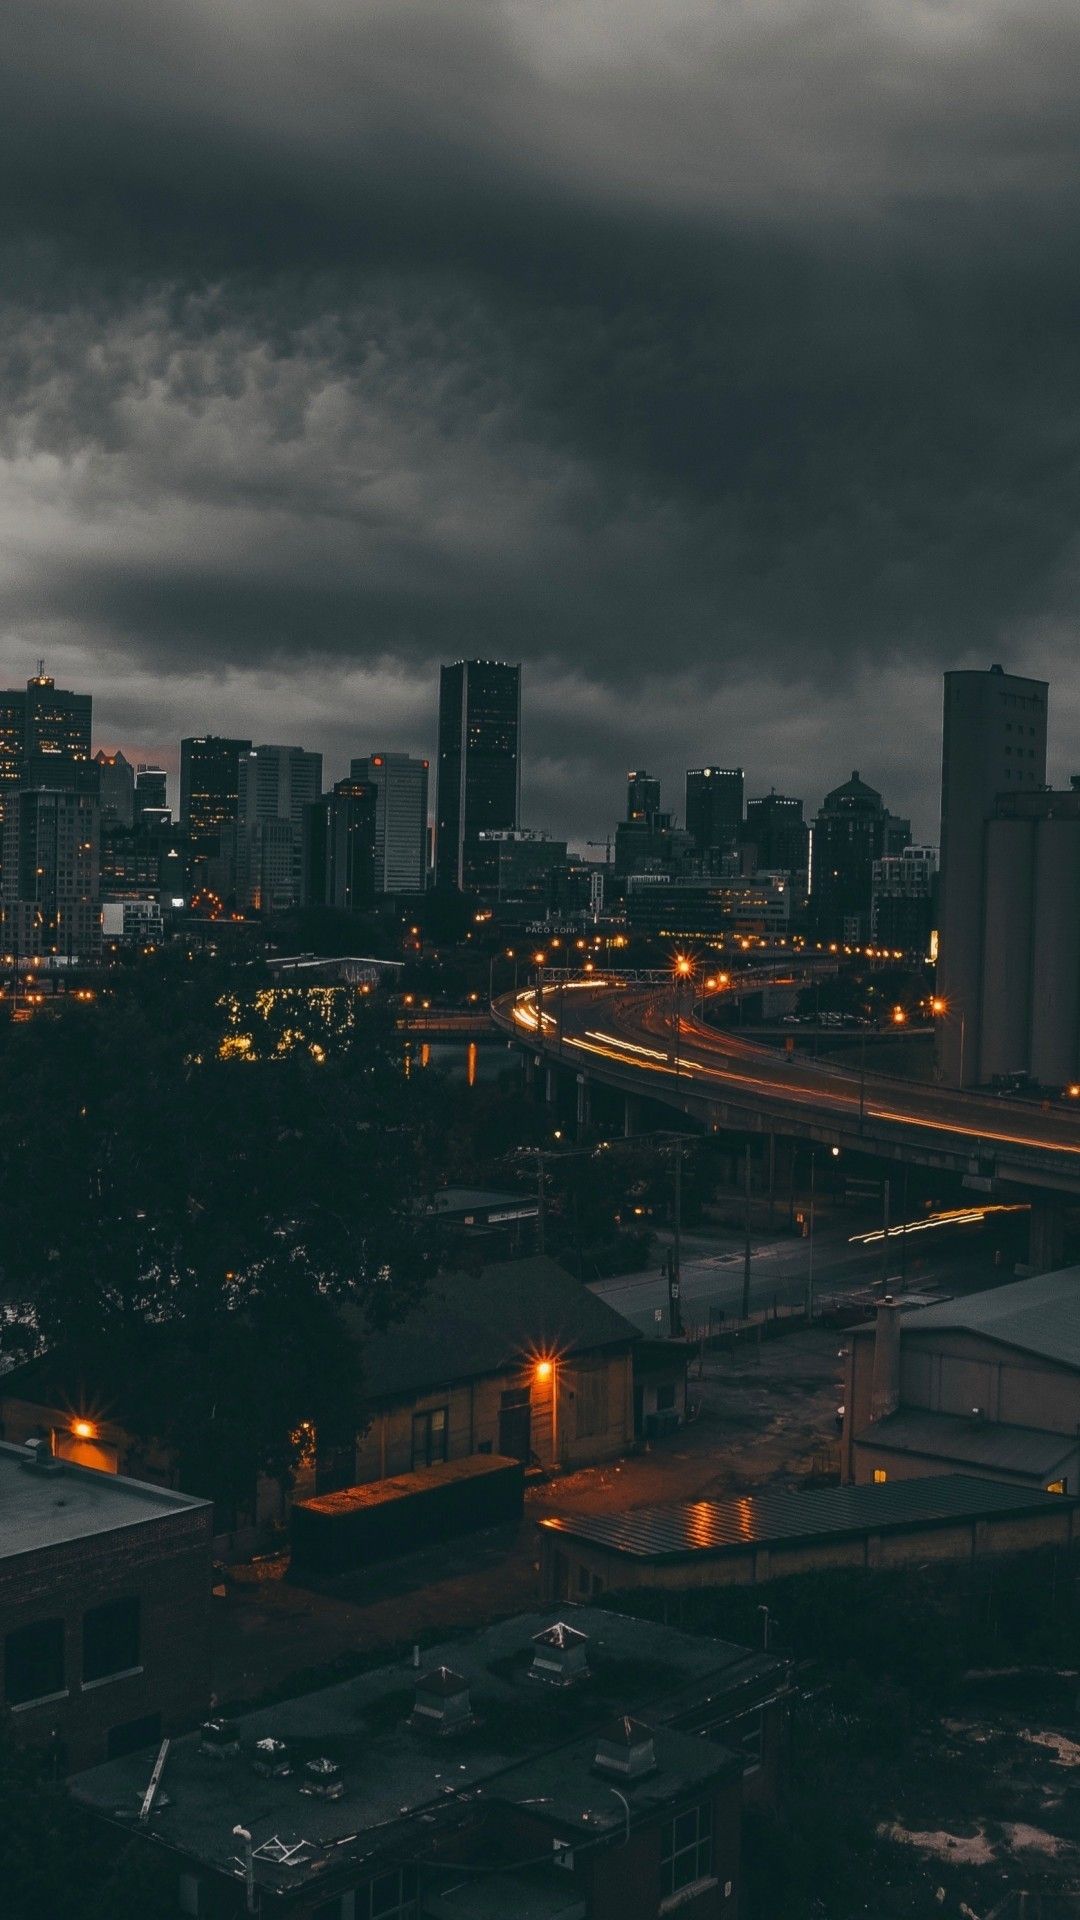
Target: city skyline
x: 734, y: 408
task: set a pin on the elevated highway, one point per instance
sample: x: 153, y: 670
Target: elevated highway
x: 625, y: 1035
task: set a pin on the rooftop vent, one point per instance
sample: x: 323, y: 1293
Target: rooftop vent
x: 39, y: 1456
x: 442, y: 1702
x: 323, y: 1779
x: 559, y: 1655
x: 218, y: 1738
x: 625, y: 1749
x: 271, y: 1758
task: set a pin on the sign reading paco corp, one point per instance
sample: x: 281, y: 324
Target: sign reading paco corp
x: 503, y: 1214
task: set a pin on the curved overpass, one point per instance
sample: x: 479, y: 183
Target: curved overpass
x: 623, y: 1036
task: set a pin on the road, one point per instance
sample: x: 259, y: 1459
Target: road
x: 626, y: 1036
x: 954, y: 1258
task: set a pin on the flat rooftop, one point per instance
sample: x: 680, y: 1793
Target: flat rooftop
x: 528, y: 1736
x: 40, y: 1510
x: 774, y: 1518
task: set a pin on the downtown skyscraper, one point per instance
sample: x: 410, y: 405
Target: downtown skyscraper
x: 479, y: 770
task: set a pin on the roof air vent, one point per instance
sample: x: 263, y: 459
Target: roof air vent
x: 323, y: 1779
x: 559, y: 1655
x: 218, y: 1738
x: 442, y: 1702
x: 625, y: 1749
x: 38, y: 1455
x: 271, y: 1758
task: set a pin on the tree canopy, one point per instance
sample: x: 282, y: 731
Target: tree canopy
x: 184, y: 1217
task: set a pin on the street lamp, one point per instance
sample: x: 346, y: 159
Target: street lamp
x: 942, y: 1010
x: 682, y: 969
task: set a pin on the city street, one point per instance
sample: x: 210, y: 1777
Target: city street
x: 951, y: 1258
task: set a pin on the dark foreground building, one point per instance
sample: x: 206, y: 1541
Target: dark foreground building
x: 547, y: 1769
x: 104, y: 1606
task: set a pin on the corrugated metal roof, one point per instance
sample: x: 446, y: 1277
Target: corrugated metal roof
x: 1041, y: 1315
x: 760, y: 1519
x: 983, y: 1443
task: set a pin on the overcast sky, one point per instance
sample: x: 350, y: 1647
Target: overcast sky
x: 720, y: 359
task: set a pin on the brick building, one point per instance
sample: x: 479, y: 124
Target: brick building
x: 988, y: 1385
x: 104, y: 1606
x: 592, y: 1767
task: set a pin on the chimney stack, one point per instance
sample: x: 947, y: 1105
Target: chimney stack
x: 885, y: 1391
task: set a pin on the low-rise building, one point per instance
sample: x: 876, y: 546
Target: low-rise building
x: 758, y: 1537
x: 988, y: 1384
x: 579, y: 1767
x: 104, y: 1606
x: 516, y: 1359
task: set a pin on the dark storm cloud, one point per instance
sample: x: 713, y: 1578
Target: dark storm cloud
x: 719, y: 362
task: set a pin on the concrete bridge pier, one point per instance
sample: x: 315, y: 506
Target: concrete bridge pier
x: 551, y: 1085
x: 584, y: 1104
x: 631, y: 1115
x: 1046, y: 1241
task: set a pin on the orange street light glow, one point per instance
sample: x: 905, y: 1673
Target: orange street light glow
x: 83, y: 1429
x: 543, y: 1370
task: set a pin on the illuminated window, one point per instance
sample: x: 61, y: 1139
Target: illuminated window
x: 1057, y: 1486
x: 880, y: 1476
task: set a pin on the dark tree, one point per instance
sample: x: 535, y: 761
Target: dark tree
x: 185, y: 1216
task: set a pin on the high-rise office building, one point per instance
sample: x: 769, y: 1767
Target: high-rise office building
x: 116, y: 789
x: 401, y: 822
x: 274, y: 785
x: 778, y: 834
x: 44, y: 739
x: 714, y: 809
x: 902, y: 905
x: 339, y: 848
x: 993, y: 746
x: 479, y: 772
x: 209, y: 789
x: 642, y: 798
x: 49, y: 887
x: 854, y: 828
x: 151, y: 790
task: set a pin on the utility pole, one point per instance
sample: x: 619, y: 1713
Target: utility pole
x: 885, y: 1233
x: 746, y: 1254
x: 810, y: 1268
x: 675, y: 1257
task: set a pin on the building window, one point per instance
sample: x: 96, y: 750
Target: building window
x: 591, y: 1400
x: 1057, y: 1486
x: 880, y: 1476
x: 391, y: 1896
x: 665, y: 1399
x: 34, y: 1662
x: 429, y: 1432
x: 110, y: 1639
x: 687, y: 1853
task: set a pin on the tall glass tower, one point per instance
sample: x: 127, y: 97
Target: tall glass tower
x: 479, y: 770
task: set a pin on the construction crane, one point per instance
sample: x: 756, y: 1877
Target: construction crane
x: 606, y: 844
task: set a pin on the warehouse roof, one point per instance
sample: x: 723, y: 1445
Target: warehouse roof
x: 49, y: 1509
x: 475, y: 1323
x: 766, y: 1519
x: 969, y: 1442
x: 1040, y: 1315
